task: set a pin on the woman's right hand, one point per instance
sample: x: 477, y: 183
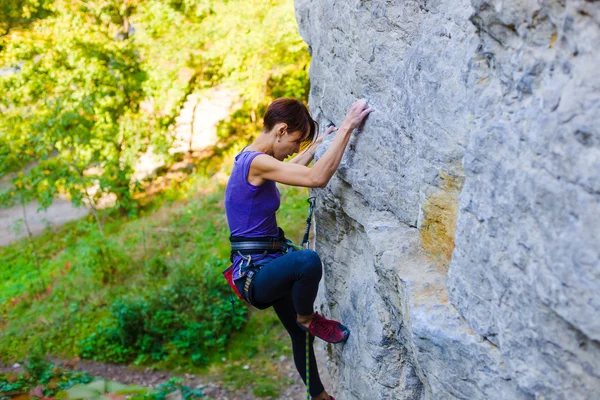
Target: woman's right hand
x: 357, y: 113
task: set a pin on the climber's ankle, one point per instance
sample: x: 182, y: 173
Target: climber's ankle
x: 306, y: 319
x: 322, y: 396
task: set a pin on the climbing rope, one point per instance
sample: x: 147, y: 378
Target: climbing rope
x: 307, y: 367
x: 311, y: 200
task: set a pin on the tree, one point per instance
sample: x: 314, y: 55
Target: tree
x: 70, y: 106
x: 88, y: 85
x: 20, y: 13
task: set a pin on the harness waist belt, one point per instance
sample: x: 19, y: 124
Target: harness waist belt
x: 257, y: 246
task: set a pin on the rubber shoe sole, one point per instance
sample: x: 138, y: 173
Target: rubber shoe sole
x: 326, y: 329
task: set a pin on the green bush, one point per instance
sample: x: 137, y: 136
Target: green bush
x: 190, y: 316
x: 165, y: 389
x: 104, y: 258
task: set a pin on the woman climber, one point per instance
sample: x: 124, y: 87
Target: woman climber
x: 266, y: 271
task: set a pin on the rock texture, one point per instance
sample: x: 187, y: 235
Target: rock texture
x: 461, y: 233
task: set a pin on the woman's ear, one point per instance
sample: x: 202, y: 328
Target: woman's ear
x: 280, y: 131
x: 283, y: 128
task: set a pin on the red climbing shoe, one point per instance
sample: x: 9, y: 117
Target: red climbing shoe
x: 327, y: 329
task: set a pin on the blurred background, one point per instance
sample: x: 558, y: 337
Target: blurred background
x: 118, y: 124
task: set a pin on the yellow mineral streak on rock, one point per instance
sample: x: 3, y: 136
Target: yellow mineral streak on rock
x: 439, y: 225
x: 553, y: 40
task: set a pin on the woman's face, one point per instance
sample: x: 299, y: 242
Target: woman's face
x: 288, y: 145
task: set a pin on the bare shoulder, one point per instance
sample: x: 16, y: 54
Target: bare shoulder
x: 265, y: 162
x: 260, y: 164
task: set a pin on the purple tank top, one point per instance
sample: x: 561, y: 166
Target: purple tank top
x: 250, y: 209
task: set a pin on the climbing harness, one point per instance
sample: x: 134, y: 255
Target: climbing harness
x: 247, y: 248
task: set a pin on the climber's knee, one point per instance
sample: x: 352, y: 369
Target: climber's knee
x: 311, y: 264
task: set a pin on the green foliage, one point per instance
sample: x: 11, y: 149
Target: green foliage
x: 292, y: 81
x: 19, y: 276
x: 72, y: 103
x: 243, y: 125
x: 172, y: 385
x: 101, y: 389
x: 15, y: 14
x: 258, y: 346
x: 40, y: 377
x: 181, y: 240
x: 251, y: 47
x: 89, y: 86
x: 191, y: 316
x: 105, y: 259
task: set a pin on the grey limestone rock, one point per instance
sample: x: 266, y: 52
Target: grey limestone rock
x: 460, y: 236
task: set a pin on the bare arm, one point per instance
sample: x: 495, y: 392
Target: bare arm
x: 307, y: 156
x: 295, y: 174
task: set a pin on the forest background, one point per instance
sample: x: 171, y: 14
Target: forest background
x: 86, y: 89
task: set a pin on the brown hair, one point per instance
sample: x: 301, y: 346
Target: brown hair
x: 295, y: 115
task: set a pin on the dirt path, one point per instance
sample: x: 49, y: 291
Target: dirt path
x: 11, y: 219
x: 211, y: 389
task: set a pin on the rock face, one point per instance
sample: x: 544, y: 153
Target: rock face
x: 461, y: 234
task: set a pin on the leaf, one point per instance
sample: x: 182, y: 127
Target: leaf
x: 82, y: 392
x: 118, y: 388
x: 98, y: 385
x: 101, y: 387
x: 114, y: 396
x: 62, y: 395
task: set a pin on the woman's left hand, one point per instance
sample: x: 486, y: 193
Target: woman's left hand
x: 323, y: 136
